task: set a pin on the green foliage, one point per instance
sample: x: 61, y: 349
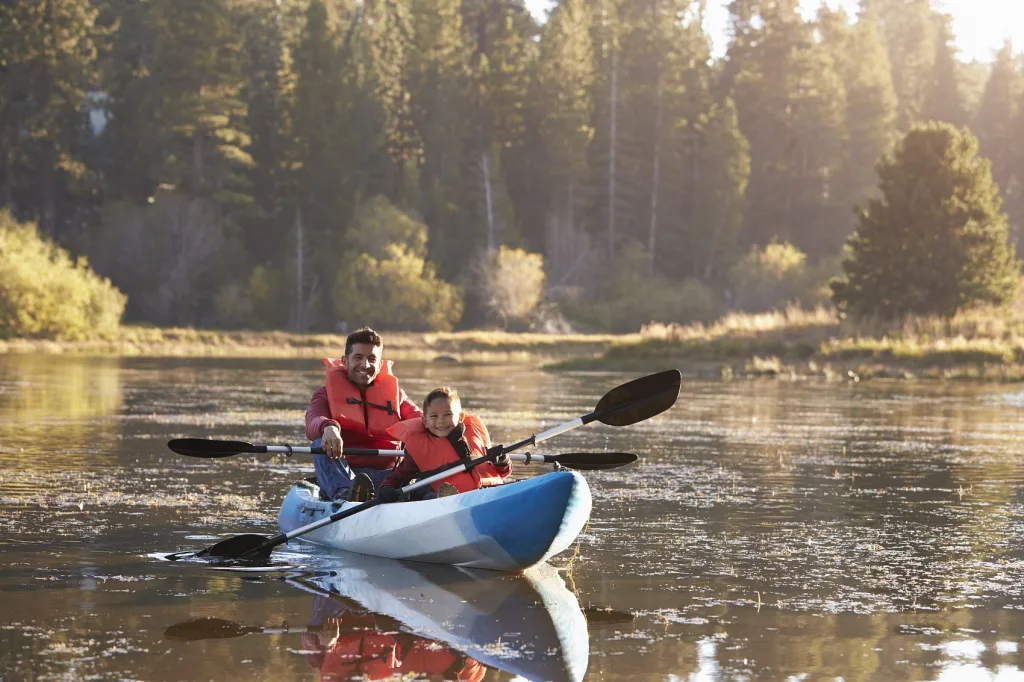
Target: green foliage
x: 392, y: 287
x: 633, y: 298
x: 44, y: 294
x: 512, y: 282
x: 936, y: 240
x: 377, y: 224
x: 943, y: 99
x: 768, y: 278
x: 48, y: 61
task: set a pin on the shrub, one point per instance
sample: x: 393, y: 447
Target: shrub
x: 768, y: 278
x: 400, y: 291
x: 385, y: 281
x: 633, y: 298
x: 512, y: 283
x: 45, y: 294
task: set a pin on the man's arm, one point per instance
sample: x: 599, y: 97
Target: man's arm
x: 318, y: 414
x: 407, y: 409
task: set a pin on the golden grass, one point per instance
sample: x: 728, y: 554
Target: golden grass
x: 979, y: 343
x: 469, y: 346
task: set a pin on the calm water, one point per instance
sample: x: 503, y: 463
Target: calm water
x: 772, y: 531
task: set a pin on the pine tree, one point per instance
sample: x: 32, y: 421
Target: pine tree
x: 386, y: 35
x: 994, y: 119
x: 48, y: 54
x: 871, y: 104
x: 791, y: 108
x: 500, y: 37
x: 911, y: 40
x: 270, y: 29
x: 943, y: 99
x: 197, y: 72
x: 936, y: 240
x: 564, y: 83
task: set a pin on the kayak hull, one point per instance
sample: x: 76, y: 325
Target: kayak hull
x: 507, y: 528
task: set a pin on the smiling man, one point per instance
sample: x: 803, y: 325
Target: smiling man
x: 359, y: 401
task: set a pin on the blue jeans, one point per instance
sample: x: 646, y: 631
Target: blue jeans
x: 335, y: 475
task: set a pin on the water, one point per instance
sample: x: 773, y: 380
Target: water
x: 771, y: 531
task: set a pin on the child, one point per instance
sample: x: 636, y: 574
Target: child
x: 442, y: 437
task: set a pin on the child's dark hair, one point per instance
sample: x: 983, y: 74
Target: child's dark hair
x: 364, y: 335
x: 448, y: 392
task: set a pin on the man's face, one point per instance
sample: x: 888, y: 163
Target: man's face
x: 363, y: 363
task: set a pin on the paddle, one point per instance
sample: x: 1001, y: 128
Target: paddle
x: 218, y: 628
x: 627, y: 404
x: 212, y: 449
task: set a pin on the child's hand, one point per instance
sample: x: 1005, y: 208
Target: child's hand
x: 502, y: 460
x: 387, y: 494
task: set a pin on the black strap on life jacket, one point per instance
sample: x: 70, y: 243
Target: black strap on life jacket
x: 459, y: 443
x: 388, y: 407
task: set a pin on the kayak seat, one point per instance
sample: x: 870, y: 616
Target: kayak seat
x: 313, y: 487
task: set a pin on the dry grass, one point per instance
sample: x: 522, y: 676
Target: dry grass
x: 979, y: 343
x: 474, y: 346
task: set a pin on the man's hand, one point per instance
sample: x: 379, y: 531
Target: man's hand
x: 331, y: 441
x: 329, y: 633
x: 501, y: 460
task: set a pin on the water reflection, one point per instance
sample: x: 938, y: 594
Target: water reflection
x: 378, y: 618
x: 530, y: 625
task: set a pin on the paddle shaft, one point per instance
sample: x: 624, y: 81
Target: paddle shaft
x: 282, y: 538
x: 294, y: 450
x: 574, y: 424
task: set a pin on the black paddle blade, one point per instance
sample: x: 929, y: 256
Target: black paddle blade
x: 209, y: 449
x: 239, y: 545
x: 206, y: 628
x: 639, y: 399
x: 592, y: 461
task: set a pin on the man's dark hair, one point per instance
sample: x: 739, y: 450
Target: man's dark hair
x: 364, y: 335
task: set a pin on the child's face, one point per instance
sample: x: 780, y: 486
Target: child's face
x: 442, y: 416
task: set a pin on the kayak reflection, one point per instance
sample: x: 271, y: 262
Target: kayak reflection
x: 380, y: 617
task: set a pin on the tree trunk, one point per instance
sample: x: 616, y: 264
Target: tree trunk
x: 299, y: 316
x: 47, y: 190
x: 7, y: 190
x: 655, y: 182
x: 614, y: 90
x: 485, y: 165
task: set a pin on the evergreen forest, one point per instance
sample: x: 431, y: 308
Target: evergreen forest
x: 316, y: 165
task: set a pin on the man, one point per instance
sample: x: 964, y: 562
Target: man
x: 359, y: 401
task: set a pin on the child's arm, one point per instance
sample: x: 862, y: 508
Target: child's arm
x: 401, y: 474
x: 503, y: 465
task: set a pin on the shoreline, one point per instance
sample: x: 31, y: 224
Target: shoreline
x: 787, y: 354
x: 467, y: 346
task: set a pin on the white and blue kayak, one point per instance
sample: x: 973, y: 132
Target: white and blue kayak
x: 507, y: 528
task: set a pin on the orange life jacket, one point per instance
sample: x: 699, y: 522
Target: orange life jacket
x: 363, y: 651
x: 430, y: 452
x: 430, y: 658
x: 366, y: 414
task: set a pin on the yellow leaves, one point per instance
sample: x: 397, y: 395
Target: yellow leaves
x: 44, y: 294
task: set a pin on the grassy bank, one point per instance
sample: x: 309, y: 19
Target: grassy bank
x: 981, y: 344
x: 985, y: 345
x: 470, y: 346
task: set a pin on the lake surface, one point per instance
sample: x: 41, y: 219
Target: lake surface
x: 771, y: 531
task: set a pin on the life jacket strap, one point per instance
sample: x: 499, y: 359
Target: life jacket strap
x: 388, y: 407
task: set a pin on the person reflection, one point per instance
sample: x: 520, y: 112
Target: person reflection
x: 345, y: 643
